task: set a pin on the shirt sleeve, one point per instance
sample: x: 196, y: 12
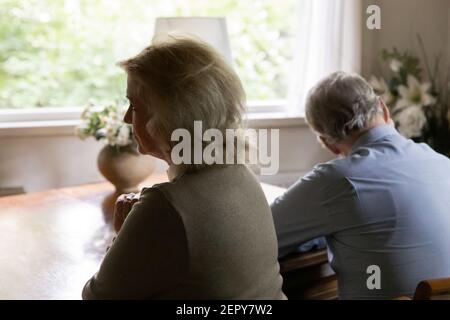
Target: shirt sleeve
x: 300, y: 213
x: 149, y: 255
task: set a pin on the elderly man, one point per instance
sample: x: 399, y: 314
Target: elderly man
x: 383, y: 205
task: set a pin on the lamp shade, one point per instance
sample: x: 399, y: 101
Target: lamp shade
x: 212, y: 30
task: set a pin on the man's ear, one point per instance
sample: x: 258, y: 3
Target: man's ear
x: 329, y: 146
x: 386, y: 113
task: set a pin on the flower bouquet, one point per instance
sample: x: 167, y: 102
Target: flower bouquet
x: 419, y: 109
x: 105, y: 125
x: 119, y: 160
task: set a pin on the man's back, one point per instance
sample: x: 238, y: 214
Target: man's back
x: 387, y: 205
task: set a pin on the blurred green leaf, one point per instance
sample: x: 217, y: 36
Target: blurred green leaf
x: 63, y: 53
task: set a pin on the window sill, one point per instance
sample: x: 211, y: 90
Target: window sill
x: 38, y: 128
x: 256, y: 120
x: 274, y: 120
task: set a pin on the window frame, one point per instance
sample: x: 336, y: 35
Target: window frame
x: 58, y: 122
x: 254, y: 108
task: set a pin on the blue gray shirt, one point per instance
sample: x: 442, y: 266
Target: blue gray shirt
x: 386, y: 204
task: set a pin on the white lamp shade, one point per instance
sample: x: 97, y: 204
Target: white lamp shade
x: 211, y: 30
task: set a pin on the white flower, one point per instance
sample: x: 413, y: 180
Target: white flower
x: 110, y: 132
x: 87, y: 112
x: 411, y: 121
x: 101, y: 132
x: 105, y: 125
x: 123, y: 137
x: 415, y: 94
x: 80, y: 131
x: 380, y: 86
x: 105, y: 119
x: 395, y: 65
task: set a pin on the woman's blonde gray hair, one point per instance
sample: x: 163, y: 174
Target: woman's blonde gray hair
x: 341, y: 104
x: 192, y: 82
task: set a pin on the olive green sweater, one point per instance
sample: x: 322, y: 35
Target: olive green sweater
x: 205, y: 235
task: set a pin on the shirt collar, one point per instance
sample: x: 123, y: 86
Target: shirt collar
x: 374, y: 134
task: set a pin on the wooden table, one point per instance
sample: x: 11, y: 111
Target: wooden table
x: 52, y: 242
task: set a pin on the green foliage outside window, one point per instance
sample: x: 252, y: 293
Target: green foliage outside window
x: 63, y: 53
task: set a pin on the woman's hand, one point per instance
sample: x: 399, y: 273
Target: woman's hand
x: 123, y: 206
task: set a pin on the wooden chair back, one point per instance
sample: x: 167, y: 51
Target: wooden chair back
x: 433, y: 289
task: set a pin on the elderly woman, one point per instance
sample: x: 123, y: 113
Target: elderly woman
x: 208, y: 233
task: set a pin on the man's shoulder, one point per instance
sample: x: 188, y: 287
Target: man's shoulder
x: 320, y: 178
x: 333, y: 169
x: 383, y: 154
x: 338, y: 169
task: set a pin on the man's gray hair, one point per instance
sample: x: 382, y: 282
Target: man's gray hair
x: 341, y: 104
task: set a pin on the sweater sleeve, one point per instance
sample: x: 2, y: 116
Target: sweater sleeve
x: 149, y: 255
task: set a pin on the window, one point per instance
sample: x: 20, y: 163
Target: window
x: 62, y: 53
